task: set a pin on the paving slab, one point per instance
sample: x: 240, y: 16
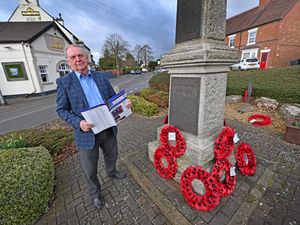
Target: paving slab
x: 271, y: 196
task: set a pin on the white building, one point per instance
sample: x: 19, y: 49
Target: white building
x: 32, y: 45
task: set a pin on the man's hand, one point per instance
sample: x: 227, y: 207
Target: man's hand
x: 128, y: 103
x: 85, y: 126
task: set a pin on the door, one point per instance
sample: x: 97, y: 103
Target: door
x: 263, y: 60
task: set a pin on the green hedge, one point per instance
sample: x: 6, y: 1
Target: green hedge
x: 142, y: 106
x: 160, y: 82
x: 26, y: 181
x: 282, y: 84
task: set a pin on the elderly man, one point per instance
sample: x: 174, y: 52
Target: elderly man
x: 79, y: 90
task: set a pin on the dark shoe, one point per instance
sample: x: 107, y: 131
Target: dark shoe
x: 98, y: 203
x: 119, y: 175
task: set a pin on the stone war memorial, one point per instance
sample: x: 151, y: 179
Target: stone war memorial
x: 198, y: 66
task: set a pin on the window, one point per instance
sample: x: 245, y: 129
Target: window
x: 44, y: 73
x: 252, y: 36
x: 231, y: 41
x: 249, y: 53
x: 246, y: 55
x: 63, y: 69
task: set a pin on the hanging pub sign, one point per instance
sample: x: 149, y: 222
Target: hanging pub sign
x: 30, y: 12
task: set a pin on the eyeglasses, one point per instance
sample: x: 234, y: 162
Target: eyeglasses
x: 73, y: 57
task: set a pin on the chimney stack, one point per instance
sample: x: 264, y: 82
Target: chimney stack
x: 60, y: 19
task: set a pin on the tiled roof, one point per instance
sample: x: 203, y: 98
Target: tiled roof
x: 14, y: 32
x: 272, y: 11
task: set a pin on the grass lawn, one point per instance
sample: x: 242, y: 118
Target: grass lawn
x: 282, y: 84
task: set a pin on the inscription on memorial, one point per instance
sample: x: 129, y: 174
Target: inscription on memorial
x: 185, y: 101
x: 188, y: 25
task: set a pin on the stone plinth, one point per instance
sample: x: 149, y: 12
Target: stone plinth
x: 198, y: 66
x: 198, y: 77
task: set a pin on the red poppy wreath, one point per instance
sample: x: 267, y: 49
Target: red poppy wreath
x: 246, y: 160
x: 226, y: 188
x: 165, y: 172
x: 224, y: 143
x: 205, y: 202
x: 260, y: 120
x: 180, y: 147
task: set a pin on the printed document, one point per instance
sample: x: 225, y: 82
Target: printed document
x: 117, y: 106
x: 100, y: 117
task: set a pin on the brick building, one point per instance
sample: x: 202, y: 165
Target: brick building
x: 269, y: 32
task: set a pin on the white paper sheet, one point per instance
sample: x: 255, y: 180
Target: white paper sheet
x: 236, y: 138
x: 172, y: 136
x: 100, y: 117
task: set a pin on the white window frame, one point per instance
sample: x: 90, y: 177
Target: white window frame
x: 231, y: 40
x: 250, y: 37
x: 65, y: 70
x: 265, y: 50
x: 44, y: 72
x: 252, y: 52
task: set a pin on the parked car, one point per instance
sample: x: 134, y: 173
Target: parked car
x: 132, y: 71
x: 295, y: 62
x: 138, y: 71
x: 160, y: 70
x: 144, y: 70
x: 246, y: 64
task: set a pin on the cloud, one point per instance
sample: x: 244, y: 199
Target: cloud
x: 137, y: 21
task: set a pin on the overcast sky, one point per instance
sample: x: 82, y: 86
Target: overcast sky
x: 141, y: 22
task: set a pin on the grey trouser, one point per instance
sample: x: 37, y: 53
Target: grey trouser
x: 107, y: 141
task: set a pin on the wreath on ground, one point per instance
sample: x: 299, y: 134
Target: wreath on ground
x: 180, y: 147
x: 224, y: 143
x: 165, y: 172
x: 226, y: 188
x: 260, y: 120
x: 205, y: 202
x: 245, y: 159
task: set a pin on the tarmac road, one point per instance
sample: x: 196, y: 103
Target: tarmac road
x: 22, y: 113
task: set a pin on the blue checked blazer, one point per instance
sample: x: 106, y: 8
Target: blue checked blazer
x: 71, y: 100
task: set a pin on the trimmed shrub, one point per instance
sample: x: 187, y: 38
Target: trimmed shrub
x: 160, y: 98
x: 142, y: 106
x: 26, y: 180
x: 12, y: 140
x: 281, y: 84
x: 145, y: 92
x: 160, y: 82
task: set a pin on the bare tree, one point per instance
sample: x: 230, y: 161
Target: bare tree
x: 137, y: 53
x: 117, y: 47
x: 146, y: 54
